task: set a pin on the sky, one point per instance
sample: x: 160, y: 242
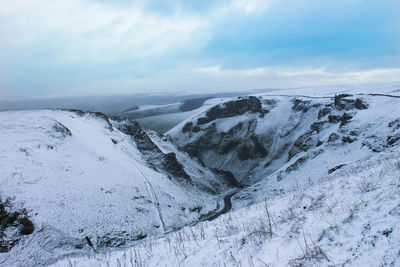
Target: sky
x: 98, y: 47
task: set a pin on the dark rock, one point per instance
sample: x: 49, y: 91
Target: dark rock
x: 196, y: 208
x: 296, y: 164
x: 196, y: 129
x: 394, y: 124
x: 116, y: 239
x: 252, y: 149
x: 204, y: 120
x: 14, y: 220
x: 173, y: 167
x: 229, y: 146
x: 325, y: 111
x: 387, y: 232
x: 391, y: 140
x: 336, y: 168
x: 347, y: 139
x: 341, y: 103
x: 334, y: 118
x: 354, y: 133
x: 187, y: 127
x: 338, y: 98
x: 62, y: 129
x: 374, y: 143
x: 317, y: 126
x: 152, y: 153
x: 206, y: 142
x: 26, y: 226
x: 229, y: 177
x: 359, y: 104
x: 231, y: 109
x: 345, y: 118
x: 140, y: 137
x: 300, y: 105
x: 333, y: 137
x: 303, y: 143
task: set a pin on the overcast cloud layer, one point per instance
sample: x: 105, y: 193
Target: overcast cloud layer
x: 99, y: 47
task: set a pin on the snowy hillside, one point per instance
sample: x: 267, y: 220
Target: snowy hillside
x: 82, y: 181
x: 257, y: 137
x: 320, y: 176
x: 306, y: 177
x: 347, y: 219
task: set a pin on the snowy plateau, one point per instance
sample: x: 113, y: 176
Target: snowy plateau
x: 295, y: 177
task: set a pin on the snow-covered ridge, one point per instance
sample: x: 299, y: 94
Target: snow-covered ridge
x: 82, y: 181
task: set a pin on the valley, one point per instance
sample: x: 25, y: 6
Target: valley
x: 242, y: 176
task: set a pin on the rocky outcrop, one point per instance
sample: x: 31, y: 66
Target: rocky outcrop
x: 342, y: 102
x: 231, y: 109
x: 303, y: 143
x: 166, y: 163
x: 305, y: 126
x: 61, y: 129
x: 13, y: 225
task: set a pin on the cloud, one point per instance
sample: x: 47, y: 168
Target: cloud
x: 99, y: 46
x: 95, y: 31
x: 251, y: 6
x: 217, y: 71
x: 289, y: 76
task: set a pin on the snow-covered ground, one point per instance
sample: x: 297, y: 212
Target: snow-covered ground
x: 349, y: 218
x: 78, y: 176
x: 321, y: 177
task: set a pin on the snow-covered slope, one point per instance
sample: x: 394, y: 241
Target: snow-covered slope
x: 258, y: 136
x: 321, y: 176
x: 82, y: 180
x: 347, y: 219
x: 318, y: 183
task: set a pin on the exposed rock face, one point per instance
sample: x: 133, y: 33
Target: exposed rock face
x: 332, y: 170
x: 317, y: 126
x: 301, y: 105
x: 152, y: 153
x: 188, y: 126
x: 258, y: 138
x: 304, y: 143
x: 342, y: 102
x: 229, y: 177
x: 231, y: 109
x: 343, y: 118
x: 13, y: 224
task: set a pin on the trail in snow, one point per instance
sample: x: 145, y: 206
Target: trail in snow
x: 154, y: 197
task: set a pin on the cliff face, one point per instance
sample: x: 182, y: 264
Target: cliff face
x: 256, y: 136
